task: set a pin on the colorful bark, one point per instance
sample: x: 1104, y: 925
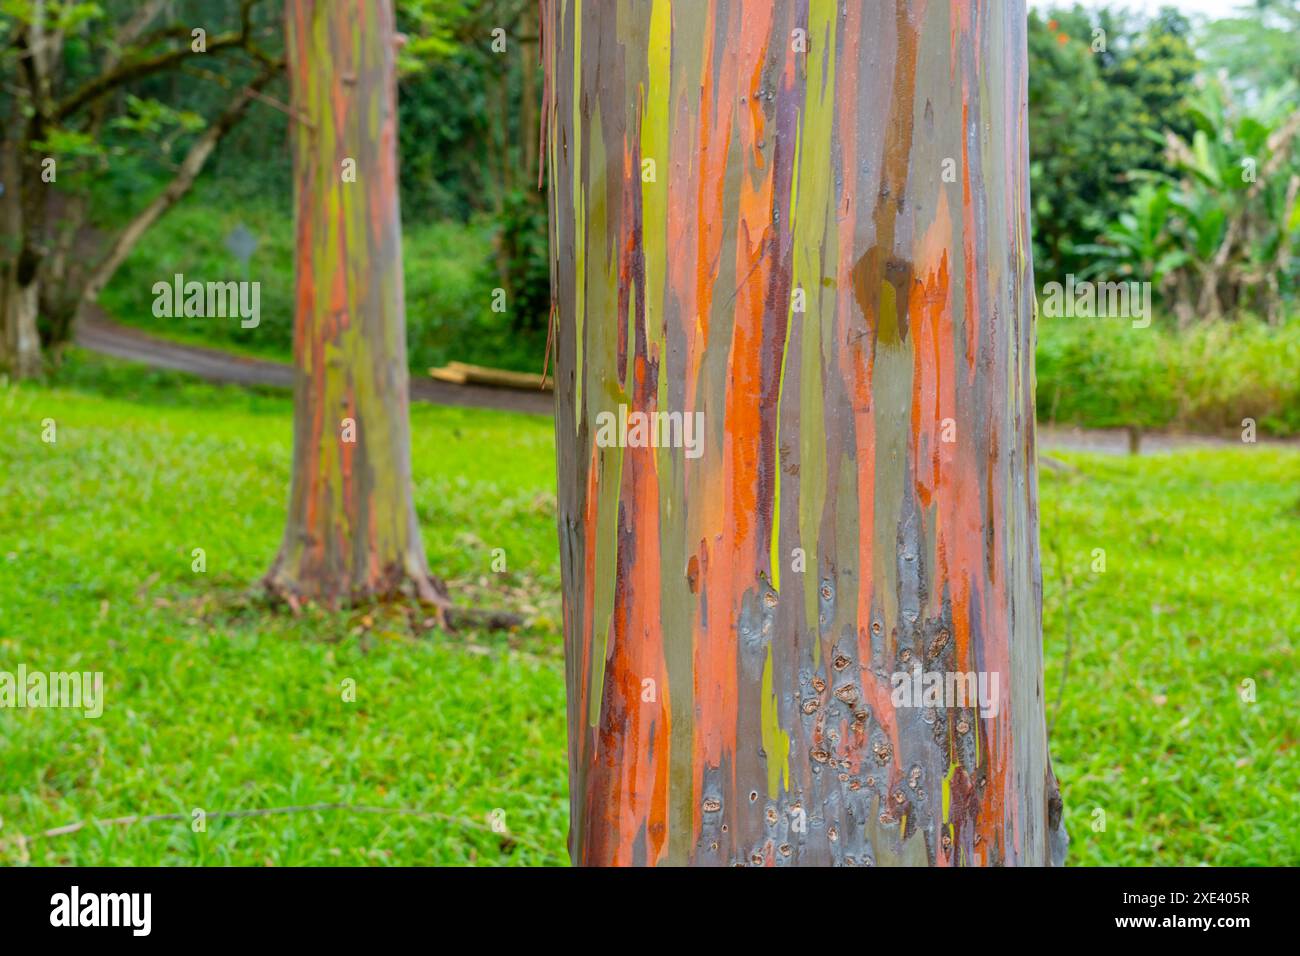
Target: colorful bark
x: 352, y: 531
x: 718, y: 694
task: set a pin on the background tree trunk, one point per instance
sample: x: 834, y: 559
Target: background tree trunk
x: 22, y: 346
x: 832, y: 264
x: 20, y: 343
x: 352, y: 531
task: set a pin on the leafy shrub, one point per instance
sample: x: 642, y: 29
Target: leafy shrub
x: 525, y: 253
x: 1230, y: 372
x: 1103, y: 373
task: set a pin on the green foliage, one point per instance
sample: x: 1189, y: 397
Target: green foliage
x: 443, y: 137
x: 65, y: 15
x: 101, y: 98
x: 153, y: 117
x: 69, y: 145
x: 1258, y: 47
x: 449, y: 303
x: 1091, y: 113
x: 191, y: 240
x: 467, y: 117
x: 1137, y: 245
x: 1240, y: 170
x: 1213, y: 233
x: 1103, y: 373
x: 429, y: 27
x: 524, y: 252
x: 1228, y: 372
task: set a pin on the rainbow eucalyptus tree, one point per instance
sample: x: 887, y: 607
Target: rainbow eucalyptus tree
x: 352, y: 531
x: 795, y: 425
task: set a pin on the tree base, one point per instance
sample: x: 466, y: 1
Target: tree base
x: 422, y: 590
x: 399, y: 584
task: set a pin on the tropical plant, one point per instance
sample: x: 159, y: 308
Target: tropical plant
x: 1138, y: 244
x: 1097, y: 86
x: 1236, y: 213
x: 1214, y: 234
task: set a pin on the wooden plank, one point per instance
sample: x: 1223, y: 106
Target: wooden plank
x: 462, y: 373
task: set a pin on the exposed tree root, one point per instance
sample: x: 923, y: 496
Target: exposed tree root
x: 484, y: 618
x: 425, y: 597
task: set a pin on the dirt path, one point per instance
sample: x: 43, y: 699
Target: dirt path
x: 100, y: 334
x: 1114, y: 441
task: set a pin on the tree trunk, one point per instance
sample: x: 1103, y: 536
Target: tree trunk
x: 830, y: 267
x: 352, y: 532
x: 61, y: 271
x: 528, y: 126
x: 20, y: 342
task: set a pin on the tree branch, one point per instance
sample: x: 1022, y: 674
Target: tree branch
x: 132, y: 30
x: 189, y: 170
x: 139, y: 67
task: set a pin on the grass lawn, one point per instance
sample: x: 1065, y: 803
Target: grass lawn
x: 1201, y: 592
x: 221, y: 706
x: 212, y: 702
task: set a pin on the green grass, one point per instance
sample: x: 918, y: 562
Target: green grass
x: 1201, y: 591
x: 214, y: 702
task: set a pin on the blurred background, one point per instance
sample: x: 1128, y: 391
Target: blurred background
x: 1165, y: 148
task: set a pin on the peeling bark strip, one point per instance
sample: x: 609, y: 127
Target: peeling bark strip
x: 750, y: 219
x: 352, y: 531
